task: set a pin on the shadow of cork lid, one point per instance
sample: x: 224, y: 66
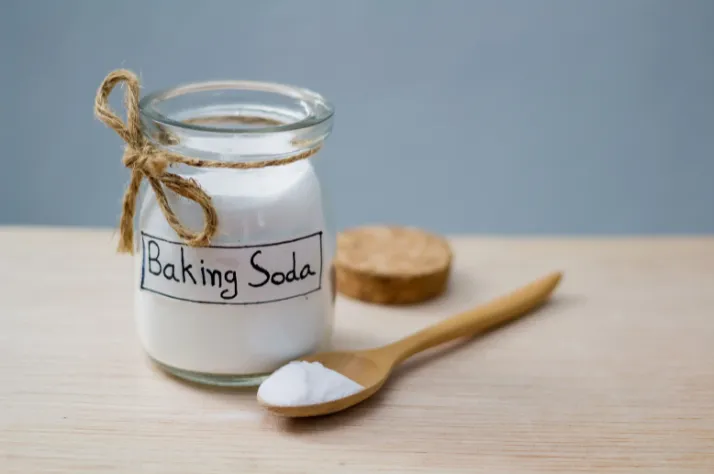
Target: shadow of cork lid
x: 391, y: 265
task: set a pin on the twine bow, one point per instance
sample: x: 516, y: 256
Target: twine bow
x: 149, y: 162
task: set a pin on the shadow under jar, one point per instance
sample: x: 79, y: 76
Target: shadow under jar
x: 263, y: 293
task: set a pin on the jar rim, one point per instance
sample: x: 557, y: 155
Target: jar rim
x: 318, y: 108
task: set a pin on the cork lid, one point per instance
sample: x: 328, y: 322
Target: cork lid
x: 391, y: 265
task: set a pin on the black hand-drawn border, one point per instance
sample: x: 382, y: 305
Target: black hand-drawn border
x: 271, y: 244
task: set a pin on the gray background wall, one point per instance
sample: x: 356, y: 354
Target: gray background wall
x: 500, y: 116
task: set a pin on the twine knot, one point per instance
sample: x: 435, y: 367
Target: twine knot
x: 147, y: 160
x: 151, y: 163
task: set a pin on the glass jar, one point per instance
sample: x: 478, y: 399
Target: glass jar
x: 263, y: 292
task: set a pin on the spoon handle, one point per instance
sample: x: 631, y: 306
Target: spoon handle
x: 481, y: 318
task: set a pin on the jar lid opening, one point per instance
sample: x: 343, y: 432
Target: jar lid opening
x: 236, y: 107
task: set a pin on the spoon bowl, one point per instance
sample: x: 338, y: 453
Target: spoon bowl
x: 368, y: 371
x: 371, y: 368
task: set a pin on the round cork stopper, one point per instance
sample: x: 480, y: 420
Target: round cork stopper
x: 391, y: 265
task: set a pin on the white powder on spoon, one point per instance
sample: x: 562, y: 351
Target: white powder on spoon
x: 303, y: 383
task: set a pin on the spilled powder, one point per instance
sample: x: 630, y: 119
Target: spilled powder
x: 302, y: 383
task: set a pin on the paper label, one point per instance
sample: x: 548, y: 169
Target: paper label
x: 251, y: 274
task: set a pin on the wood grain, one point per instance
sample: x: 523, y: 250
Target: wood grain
x: 615, y: 375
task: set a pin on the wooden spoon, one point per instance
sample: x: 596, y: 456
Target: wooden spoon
x: 371, y: 368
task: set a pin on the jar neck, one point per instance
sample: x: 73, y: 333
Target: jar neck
x: 235, y: 147
x: 236, y: 121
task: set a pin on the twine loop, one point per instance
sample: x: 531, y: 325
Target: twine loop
x: 149, y: 162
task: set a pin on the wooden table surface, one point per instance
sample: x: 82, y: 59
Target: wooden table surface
x: 615, y: 375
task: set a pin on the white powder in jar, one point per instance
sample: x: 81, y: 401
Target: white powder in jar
x: 188, y: 321
x: 301, y: 383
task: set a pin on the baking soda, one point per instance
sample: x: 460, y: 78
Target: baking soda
x: 260, y: 296
x: 302, y: 383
